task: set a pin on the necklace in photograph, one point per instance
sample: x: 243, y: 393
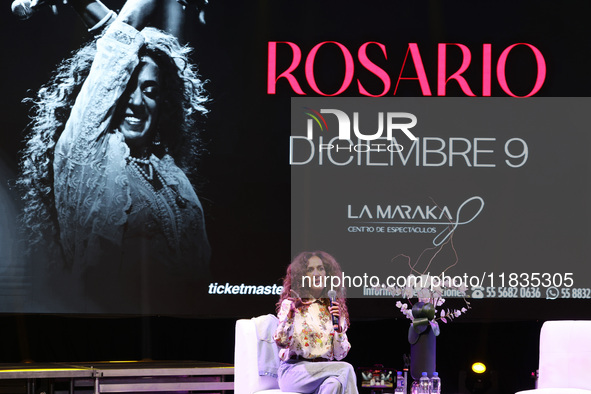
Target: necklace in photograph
x: 163, y: 200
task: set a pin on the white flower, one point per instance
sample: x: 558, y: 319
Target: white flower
x: 421, y: 287
x: 415, y: 282
x: 437, y: 291
x: 407, y: 293
x: 425, y: 294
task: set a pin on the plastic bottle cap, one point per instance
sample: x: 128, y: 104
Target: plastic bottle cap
x: 424, y: 374
x: 399, y: 373
x: 435, y: 373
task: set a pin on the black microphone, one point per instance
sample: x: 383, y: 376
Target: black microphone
x: 24, y: 9
x: 332, y: 296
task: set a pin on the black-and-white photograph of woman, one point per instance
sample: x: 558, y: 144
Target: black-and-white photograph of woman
x: 113, y: 220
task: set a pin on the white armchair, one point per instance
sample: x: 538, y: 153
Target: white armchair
x: 254, y: 336
x: 565, y: 358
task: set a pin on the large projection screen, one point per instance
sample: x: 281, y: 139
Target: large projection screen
x: 496, y: 183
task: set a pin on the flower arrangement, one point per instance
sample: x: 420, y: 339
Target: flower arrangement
x: 428, y: 309
x: 430, y: 291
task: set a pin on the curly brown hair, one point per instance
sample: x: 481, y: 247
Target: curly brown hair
x: 297, y: 269
x: 182, y: 105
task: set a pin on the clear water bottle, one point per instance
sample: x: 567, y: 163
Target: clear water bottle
x: 424, y: 384
x: 435, y: 384
x: 399, y: 382
x: 414, y: 389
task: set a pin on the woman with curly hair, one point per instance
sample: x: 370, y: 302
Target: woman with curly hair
x: 312, y: 329
x: 105, y: 162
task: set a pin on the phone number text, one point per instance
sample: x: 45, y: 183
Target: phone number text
x: 537, y: 292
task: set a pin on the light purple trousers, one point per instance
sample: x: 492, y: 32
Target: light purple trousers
x: 329, y: 377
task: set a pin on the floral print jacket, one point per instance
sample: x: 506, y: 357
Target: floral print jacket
x: 310, y: 333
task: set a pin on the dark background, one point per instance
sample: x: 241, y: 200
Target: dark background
x: 245, y: 184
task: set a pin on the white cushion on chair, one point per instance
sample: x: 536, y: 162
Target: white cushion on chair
x: 246, y: 371
x: 565, y: 358
x: 565, y: 355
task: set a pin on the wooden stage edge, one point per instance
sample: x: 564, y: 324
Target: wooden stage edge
x: 121, y: 377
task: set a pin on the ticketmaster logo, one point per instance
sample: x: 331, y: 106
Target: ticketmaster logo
x: 228, y: 289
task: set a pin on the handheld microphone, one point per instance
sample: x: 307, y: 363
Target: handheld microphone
x: 332, y: 296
